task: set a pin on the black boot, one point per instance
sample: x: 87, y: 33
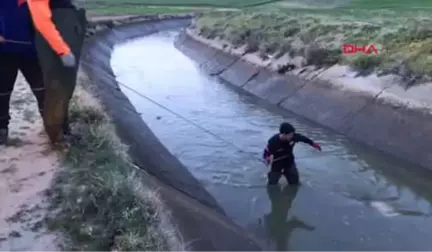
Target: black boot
x: 66, y: 129
x: 4, y: 136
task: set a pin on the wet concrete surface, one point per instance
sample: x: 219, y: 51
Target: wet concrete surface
x: 352, y: 197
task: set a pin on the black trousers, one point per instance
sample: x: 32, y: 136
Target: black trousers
x: 30, y: 68
x: 286, y: 168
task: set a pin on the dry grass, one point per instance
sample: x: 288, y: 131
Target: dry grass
x: 100, y: 200
x: 403, y: 37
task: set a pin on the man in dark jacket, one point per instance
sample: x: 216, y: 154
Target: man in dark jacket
x: 17, y: 52
x: 279, y: 154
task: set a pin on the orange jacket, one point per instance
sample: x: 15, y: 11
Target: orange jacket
x: 41, y: 15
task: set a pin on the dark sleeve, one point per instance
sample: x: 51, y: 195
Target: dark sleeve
x: 269, y: 149
x: 272, y: 145
x: 303, y: 139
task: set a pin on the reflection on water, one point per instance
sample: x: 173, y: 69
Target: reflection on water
x: 351, y: 198
x: 278, y: 224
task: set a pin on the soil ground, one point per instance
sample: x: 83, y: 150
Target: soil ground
x: 27, y: 166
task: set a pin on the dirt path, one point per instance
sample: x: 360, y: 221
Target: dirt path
x: 26, y: 169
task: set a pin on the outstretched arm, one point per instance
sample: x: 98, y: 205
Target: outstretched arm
x: 41, y: 16
x: 307, y: 140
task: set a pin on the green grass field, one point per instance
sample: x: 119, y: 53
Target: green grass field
x: 391, y: 4
x: 244, y: 3
x: 169, y: 6
x: 165, y: 6
x: 136, y: 10
x: 202, y: 3
x: 401, y: 30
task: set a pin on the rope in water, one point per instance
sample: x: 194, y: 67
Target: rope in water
x: 251, y: 154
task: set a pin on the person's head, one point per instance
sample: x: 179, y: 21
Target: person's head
x: 286, y: 131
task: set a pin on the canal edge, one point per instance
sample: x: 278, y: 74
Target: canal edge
x: 376, y: 117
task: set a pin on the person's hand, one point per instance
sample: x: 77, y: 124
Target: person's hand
x: 316, y: 146
x: 2, y: 39
x: 68, y: 60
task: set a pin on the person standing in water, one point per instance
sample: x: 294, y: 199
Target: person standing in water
x: 279, y: 154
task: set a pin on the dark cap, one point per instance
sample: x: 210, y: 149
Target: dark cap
x: 286, y: 128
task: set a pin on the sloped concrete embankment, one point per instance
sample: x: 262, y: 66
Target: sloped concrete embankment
x: 200, y: 220
x: 373, y: 118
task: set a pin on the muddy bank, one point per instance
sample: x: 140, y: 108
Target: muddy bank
x: 27, y: 168
x: 380, y: 113
x: 199, y: 218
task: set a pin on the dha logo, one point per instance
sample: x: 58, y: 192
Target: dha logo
x: 354, y: 49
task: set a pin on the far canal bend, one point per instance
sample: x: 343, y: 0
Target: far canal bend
x: 351, y: 198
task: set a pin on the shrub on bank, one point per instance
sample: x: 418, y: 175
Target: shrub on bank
x: 99, y: 199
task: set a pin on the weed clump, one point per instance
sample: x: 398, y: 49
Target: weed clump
x: 319, y: 56
x: 365, y: 62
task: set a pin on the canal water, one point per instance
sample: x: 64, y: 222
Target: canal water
x: 351, y: 197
